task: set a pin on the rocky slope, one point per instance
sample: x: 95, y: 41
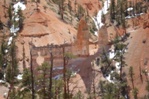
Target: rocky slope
x: 44, y: 26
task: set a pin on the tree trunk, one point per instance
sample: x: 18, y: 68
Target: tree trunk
x: 24, y: 66
x: 32, y: 76
x: 64, y: 73
x: 50, y: 77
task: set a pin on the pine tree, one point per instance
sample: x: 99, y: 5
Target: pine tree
x: 119, y: 48
x: 21, y: 19
x: 61, y: 5
x: 70, y: 9
x: 75, y: 5
x: 51, y: 73
x: 32, y: 75
x: 106, y: 63
x: 26, y: 79
x: 135, y: 93
x: 62, y: 9
x: 112, y: 10
x: 78, y: 95
x: 131, y: 74
x: 2, y: 52
x: 80, y: 12
x: 147, y: 87
x: 145, y: 73
x: 10, y: 16
x: 12, y: 70
x: 42, y: 79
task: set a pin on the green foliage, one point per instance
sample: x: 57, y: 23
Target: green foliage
x: 119, y: 46
x: 3, y: 59
x: 103, y: 17
x: 12, y: 94
x: 44, y: 67
x: 1, y: 74
x: 106, y: 63
x: 80, y: 11
x: 115, y: 76
x: 118, y: 89
x: 112, y: 9
x: 110, y: 91
x: 33, y: 0
x: 69, y: 55
x: 61, y: 5
x: 14, y: 62
x: 57, y: 1
x: 1, y: 25
x: 93, y: 27
x: 135, y: 93
x: 26, y: 79
x: 147, y: 86
x: 101, y: 87
x: 10, y: 12
x: 78, y: 95
x: 42, y: 80
x: 21, y: 19
x: 9, y: 75
x: 144, y: 72
x: 24, y: 93
x: 69, y: 6
x: 131, y: 72
x: 10, y: 16
x: 58, y: 88
x: 12, y: 68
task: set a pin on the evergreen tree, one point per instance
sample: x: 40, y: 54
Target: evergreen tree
x: 2, y: 53
x: 21, y: 19
x: 26, y: 79
x: 10, y: 16
x: 12, y: 71
x: 131, y: 74
x: 135, y: 93
x: 147, y: 87
x: 112, y: 10
x: 80, y: 12
x: 61, y: 5
x: 78, y: 95
x: 106, y: 63
x: 42, y: 79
